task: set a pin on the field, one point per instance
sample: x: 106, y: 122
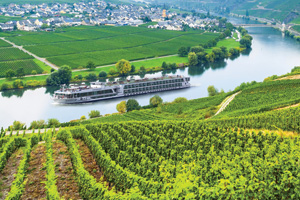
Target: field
x: 106, y: 45
x: 13, y: 58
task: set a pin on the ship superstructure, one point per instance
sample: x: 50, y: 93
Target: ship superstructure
x: 101, y: 91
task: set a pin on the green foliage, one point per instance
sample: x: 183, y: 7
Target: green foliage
x: 180, y: 100
x: 91, y: 65
x: 132, y: 104
x: 51, y: 187
x: 102, y: 74
x: 53, y: 122
x: 121, y: 107
x: 91, y: 77
x: 193, y: 59
x: 261, y: 97
x: 62, y: 76
x: 155, y: 101
x: 9, y: 74
x: 123, y: 66
x: 212, y: 91
x: 182, y: 51
x: 94, y: 114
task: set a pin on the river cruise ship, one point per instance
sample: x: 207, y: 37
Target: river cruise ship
x: 100, y: 91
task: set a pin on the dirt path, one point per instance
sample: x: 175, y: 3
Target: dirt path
x: 7, y: 175
x: 33, y: 55
x: 89, y: 161
x: 66, y: 183
x: 293, y: 77
x: 291, y: 106
x: 36, y: 174
x: 226, y: 102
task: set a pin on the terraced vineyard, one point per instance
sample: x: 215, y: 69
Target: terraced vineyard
x: 151, y: 160
x: 265, y: 96
x: 106, y: 45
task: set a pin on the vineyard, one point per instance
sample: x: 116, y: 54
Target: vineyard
x: 10, y: 54
x: 14, y: 58
x: 265, y: 97
x: 106, y: 45
x: 28, y: 66
x: 152, y: 160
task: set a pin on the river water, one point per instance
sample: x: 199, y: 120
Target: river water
x: 271, y: 53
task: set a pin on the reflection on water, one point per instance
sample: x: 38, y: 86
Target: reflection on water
x: 271, y: 54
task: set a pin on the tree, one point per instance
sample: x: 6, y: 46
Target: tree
x: 155, y: 100
x: 94, y: 114
x: 102, y: 74
x: 197, y: 49
x: 44, y: 26
x: 180, y: 100
x: 182, y: 51
x: 164, y: 65
x: 20, y: 72
x: 17, y: 125
x: 212, y: 91
x: 91, y: 77
x: 9, y: 74
x: 132, y: 68
x: 91, y: 65
x: 245, y: 42
x: 142, y: 70
x: 132, y: 104
x: 62, y: 76
x: 193, y: 59
x: 123, y: 66
x: 121, y: 107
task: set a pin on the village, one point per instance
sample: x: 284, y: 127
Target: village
x: 47, y: 17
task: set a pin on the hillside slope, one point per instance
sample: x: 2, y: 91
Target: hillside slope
x: 284, y: 11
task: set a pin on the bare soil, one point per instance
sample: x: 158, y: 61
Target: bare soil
x: 7, y: 175
x: 66, y: 182
x: 89, y: 161
x: 36, y: 174
x: 293, y: 77
x: 291, y: 106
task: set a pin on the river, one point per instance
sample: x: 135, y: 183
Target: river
x: 271, y: 53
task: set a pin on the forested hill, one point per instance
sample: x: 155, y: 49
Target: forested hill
x: 284, y: 11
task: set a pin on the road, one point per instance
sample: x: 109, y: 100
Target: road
x: 30, y: 131
x: 226, y: 103
x: 35, y: 56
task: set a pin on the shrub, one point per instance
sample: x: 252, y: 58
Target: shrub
x: 91, y: 77
x: 53, y: 122
x: 18, y: 84
x: 112, y: 71
x: 94, y: 114
x: 33, y: 72
x: 180, y: 100
x: 5, y: 86
x: 82, y: 117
